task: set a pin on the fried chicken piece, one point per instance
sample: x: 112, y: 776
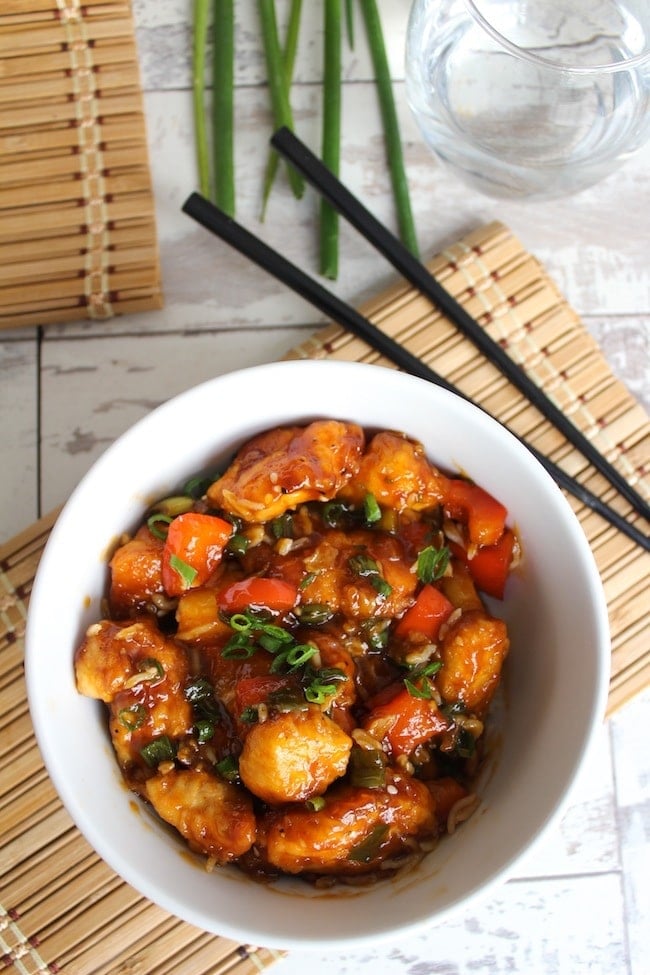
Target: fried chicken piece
x: 215, y: 817
x: 396, y: 471
x: 473, y: 652
x: 287, y: 466
x: 293, y: 756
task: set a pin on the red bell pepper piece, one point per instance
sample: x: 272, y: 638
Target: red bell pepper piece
x: 193, y: 549
x: 406, y: 721
x: 427, y: 614
x: 484, y: 516
x: 260, y: 592
x: 251, y: 691
x: 490, y: 564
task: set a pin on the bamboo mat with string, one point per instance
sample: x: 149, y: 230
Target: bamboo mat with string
x: 62, y: 910
x: 77, y: 225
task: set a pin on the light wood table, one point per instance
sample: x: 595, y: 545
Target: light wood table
x: 582, y: 902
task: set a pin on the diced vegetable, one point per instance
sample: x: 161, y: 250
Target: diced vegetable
x: 405, y: 722
x: 193, y: 549
x: 489, y: 566
x: 427, y: 614
x: 484, y: 515
x: 259, y: 592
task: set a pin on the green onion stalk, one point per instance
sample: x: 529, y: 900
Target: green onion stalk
x: 281, y: 108
x: 288, y: 60
x: 199, y: 41
x: 223, y: 104
x: 391, y: 126
x: 331, y: 135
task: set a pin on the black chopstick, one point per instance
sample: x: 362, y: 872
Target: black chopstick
x: 331, y: 188
x: 223, y: 226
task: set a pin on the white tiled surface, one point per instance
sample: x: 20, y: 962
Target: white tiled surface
x: 581, y: 902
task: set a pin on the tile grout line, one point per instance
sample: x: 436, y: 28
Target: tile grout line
x: 619, y: 846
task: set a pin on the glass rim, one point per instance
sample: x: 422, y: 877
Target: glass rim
x: 528, y: 55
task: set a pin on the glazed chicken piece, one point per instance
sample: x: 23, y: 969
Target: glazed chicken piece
x: 140, y: 674
x: 285, y: 467
x: 294, y: 756
x: 473, y: 651
x: 214, y: 816
x: 346, y: 571
x: 354, y: 830
x: 396, y: 471
x: 136, y: 575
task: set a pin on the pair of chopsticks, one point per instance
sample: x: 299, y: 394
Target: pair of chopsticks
x: 223, y: 226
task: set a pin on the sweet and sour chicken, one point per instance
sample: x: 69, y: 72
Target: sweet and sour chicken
x: 297, y: 658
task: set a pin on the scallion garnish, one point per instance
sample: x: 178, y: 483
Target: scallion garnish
x: 238, y: 545
x: 155, y: 523
x: 157, y: 751
x: 228, y: 769
x: 132, y: 717
x: 238, y: 647
x: 368, y: 848
x: 367, y: 568
x: 432, y: 563
x: 331, y: 134
x: 204, y: 730
x: 306, y: 580
x: 282, y: 526
x: 371, y: 509
x: 418, y: 684
x: 314, y: 614
x: 151, y: 666
x: 249, y: 715
x: 366, y: 768
x: 185, y: 571
x: 315, y: 804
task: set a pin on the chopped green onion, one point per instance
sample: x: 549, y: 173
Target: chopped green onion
x: 367, y: 568
x: 282, y: 526
x: 417, y: 683
x: 391, y: 125
x: 132, y: 717
x: 288, y: 60
x: 198, y: 485
x: 377, y: 632
x: 465, y: 745
x: 185, y: 571
x: 157, y: 751
x: 249, y: 715
x: 371, y: 509
x: 314, y: 614
x: 331, y: 135
x: 228, y: 769
x: 199, y: 42
x: 367, y: 768
x: 282, y: 114
x: 307, y: 580
x: 153, y: 521
x: 432, y: 563
x: 199, y: 690
x: 315, y: 804
x: 422, y: 690
x: 149, y: 664
x: 204, y: 730
x: 321, y: 684
x: 238, y: 647
x: 368, y: 848
x: 237, y: 544
x: 223, y: 110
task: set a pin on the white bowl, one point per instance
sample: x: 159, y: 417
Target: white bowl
x: 556, y: 674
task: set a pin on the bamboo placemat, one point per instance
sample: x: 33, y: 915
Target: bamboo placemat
x: 61, y: 908
x: 77, y: 225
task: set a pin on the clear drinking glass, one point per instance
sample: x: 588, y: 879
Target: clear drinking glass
x: 530, y: 98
